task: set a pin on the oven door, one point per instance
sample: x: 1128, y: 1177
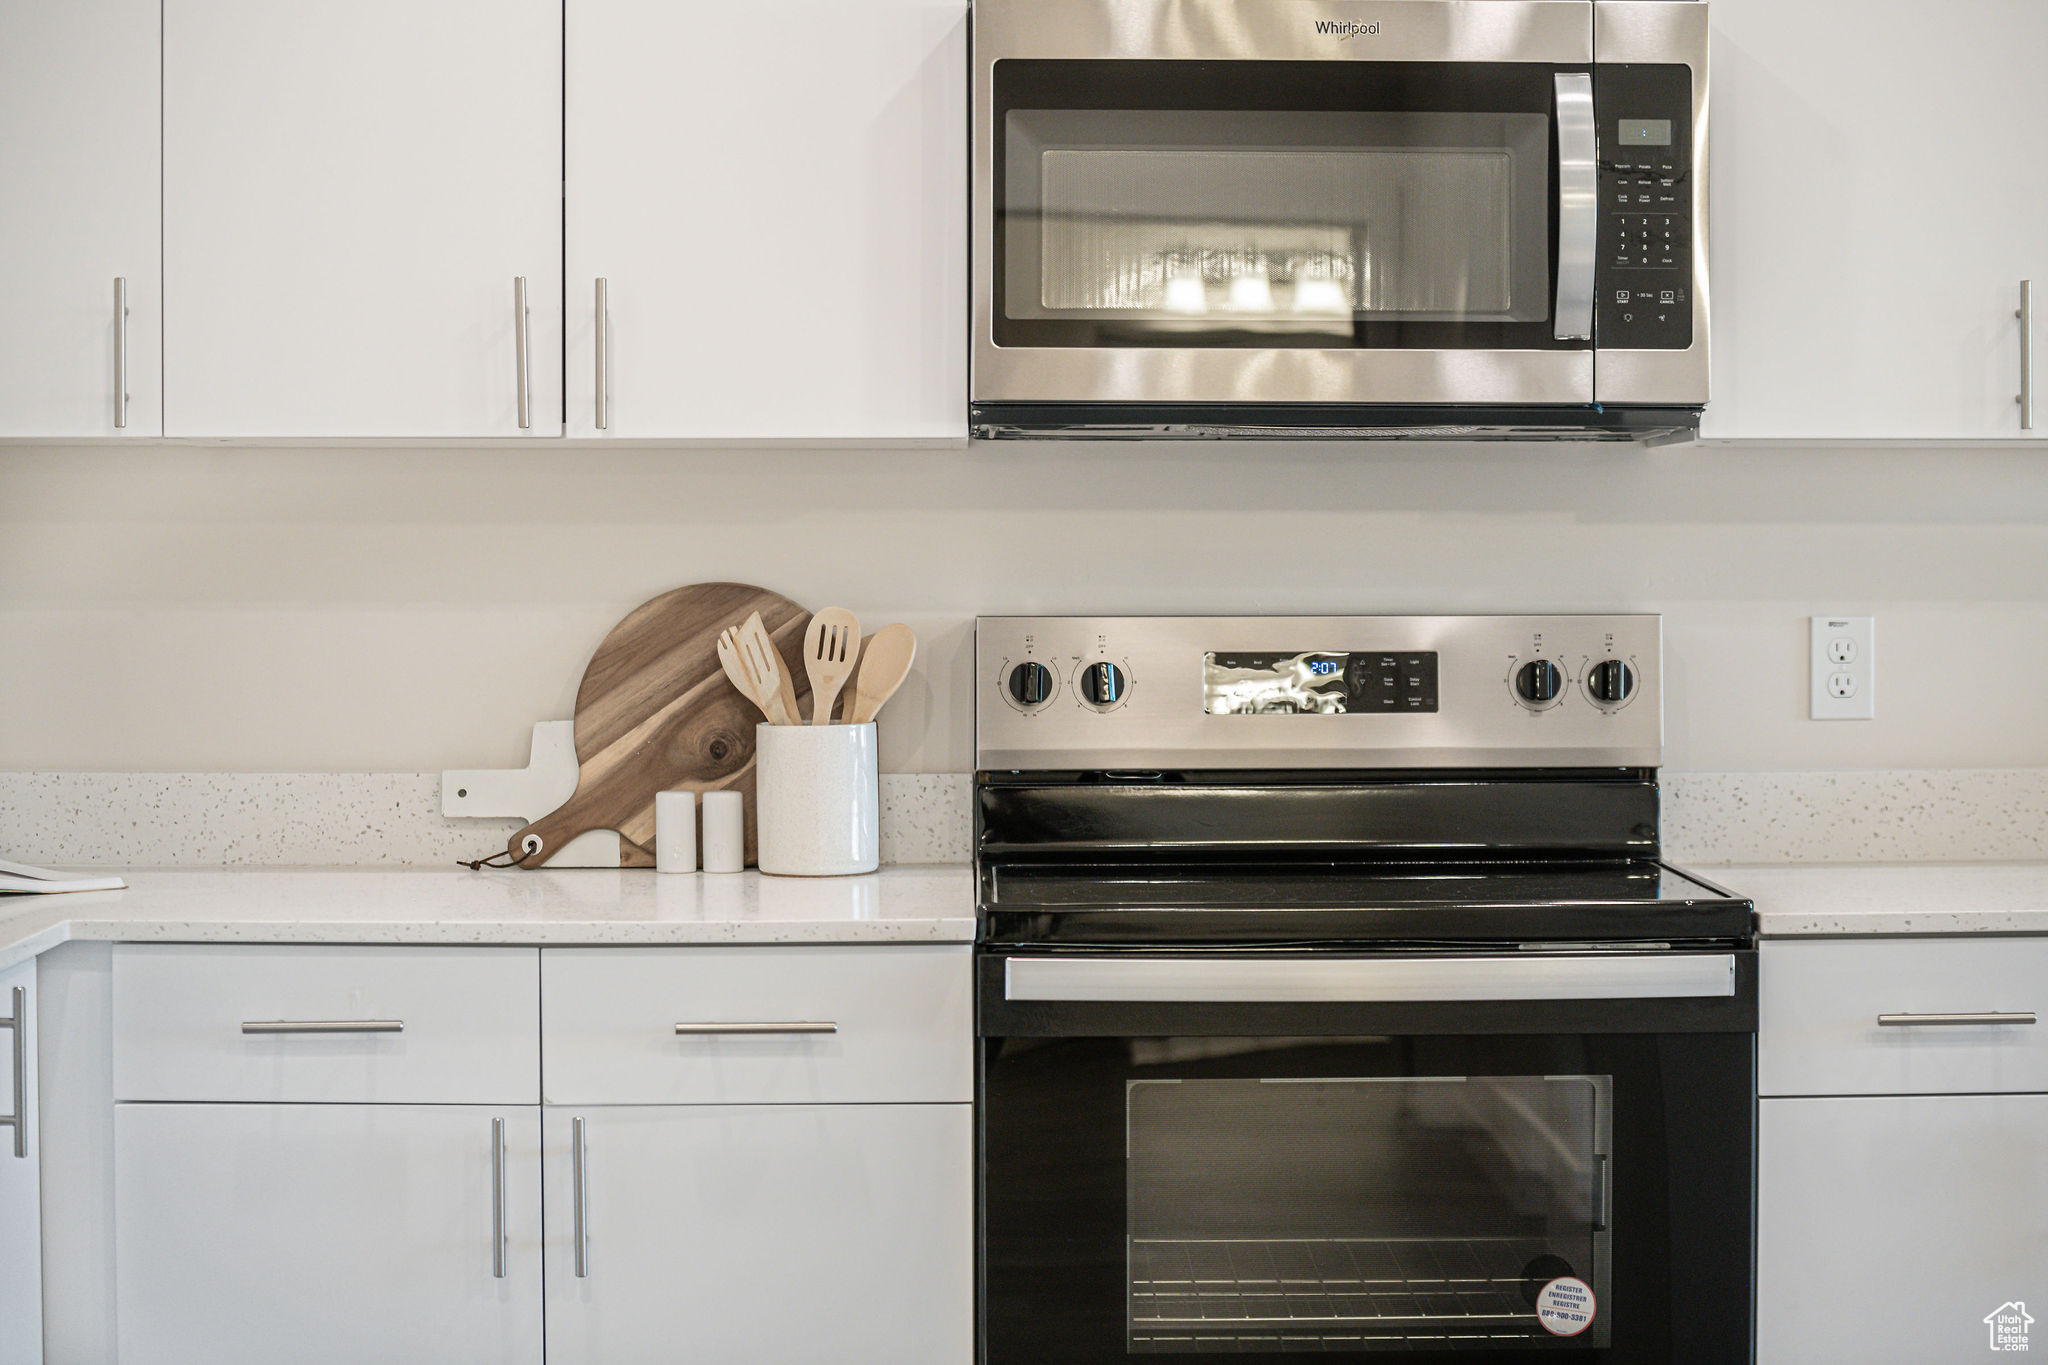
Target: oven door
x: 1486, y: 1157
x: 1239, y: 201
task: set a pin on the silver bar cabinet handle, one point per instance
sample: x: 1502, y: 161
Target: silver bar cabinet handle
x: 1954, y: 1020
x: 2025, y: 313
x: 120, y: 351
x: 498, y: 1198
x: 793, y: 1026
x: 1578, y: 205
x: 579, y: 1215
x: 17, y: 1024
x: 519, y: 321
x: 323, y: 1026
x: 604, y: 365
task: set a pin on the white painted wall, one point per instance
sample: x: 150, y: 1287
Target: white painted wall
x: 309, y: 609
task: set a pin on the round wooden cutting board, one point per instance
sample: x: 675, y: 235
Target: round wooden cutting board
x: 656, y: 713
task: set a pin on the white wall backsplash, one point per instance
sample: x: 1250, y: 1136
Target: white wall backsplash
x: 207, y: 608
x: 311, y: 819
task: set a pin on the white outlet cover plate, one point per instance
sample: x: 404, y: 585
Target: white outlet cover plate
x: 1843, y: 667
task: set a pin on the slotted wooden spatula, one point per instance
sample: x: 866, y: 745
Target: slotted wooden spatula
x: 831, y: 646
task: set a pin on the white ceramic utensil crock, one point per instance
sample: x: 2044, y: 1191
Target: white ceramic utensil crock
x: 817, y: 799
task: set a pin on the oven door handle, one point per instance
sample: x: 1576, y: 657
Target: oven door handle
x: 1578, y: 205
x: 1238, y: 980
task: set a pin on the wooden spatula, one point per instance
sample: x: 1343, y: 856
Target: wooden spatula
x: 830, y: 647
x: 884, y: 664
x: 770, y: 676
x: 735, y: 666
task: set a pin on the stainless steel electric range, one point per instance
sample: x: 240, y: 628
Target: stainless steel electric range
x: 1334, y: 998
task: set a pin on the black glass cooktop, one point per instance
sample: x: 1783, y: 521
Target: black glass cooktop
x: 1378, y: 903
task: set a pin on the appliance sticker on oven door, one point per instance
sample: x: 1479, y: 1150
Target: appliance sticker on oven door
x: 1565, y: 1306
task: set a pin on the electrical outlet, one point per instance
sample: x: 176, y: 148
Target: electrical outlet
x: 1844, y: 668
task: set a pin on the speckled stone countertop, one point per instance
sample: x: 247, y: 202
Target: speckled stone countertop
x: 1811, y: 900
x: 583, y: 906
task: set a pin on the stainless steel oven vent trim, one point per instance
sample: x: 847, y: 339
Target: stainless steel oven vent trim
x: 1184, y: 980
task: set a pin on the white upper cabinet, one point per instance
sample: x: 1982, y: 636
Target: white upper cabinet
x: 78, y: 210
x: 1880, y: 188
x: 776, y: 197
x: 351, y: 188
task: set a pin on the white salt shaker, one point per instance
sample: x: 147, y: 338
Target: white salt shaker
x: 725, y: 832
x: 675, y: 831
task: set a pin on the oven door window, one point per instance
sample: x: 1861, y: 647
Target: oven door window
x: 1263, y: 204
x: 1371, y: 1214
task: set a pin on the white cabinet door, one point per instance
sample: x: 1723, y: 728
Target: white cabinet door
x: 770, y: 1234
x: 1889, y: 1228
x: 21, y: 1229
x: 350, y: 189
x: 1878, y: 194
x: 335, y: 1233
x: 777, y: 199
x: 78, y: 209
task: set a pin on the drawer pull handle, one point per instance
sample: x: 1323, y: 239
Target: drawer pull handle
x: 498, y: 1199
x: 323, y: 1026
x: 1954, y: 1020
x: 797, y: 1026
x: 17, y: 1024
x: 579, y: 1170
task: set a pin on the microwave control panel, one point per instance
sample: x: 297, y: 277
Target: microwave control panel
x: 1643, y: 274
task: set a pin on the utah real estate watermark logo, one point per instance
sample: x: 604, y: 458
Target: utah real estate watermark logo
x: 2008, y: 1324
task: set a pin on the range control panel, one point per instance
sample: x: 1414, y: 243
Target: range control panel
x: 1643, y: 274
x: 1318, y: 692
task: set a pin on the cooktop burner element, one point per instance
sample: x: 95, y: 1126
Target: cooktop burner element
x: 1589, y: 903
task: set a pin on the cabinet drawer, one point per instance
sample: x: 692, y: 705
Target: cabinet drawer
x: 1820, y: 1001
x: 230, y: 1023
x: 721, y: 1025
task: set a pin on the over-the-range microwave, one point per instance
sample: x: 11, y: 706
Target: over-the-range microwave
x: 1438, y: 218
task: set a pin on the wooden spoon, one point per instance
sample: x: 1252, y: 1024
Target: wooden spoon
x: 763, y: 662
x: 831, y: 645
x: 884, y: 664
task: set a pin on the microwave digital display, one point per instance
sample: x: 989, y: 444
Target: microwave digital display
x: 1645, y: 132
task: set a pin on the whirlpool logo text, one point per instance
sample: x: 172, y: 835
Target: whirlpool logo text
x: 1348, y: 28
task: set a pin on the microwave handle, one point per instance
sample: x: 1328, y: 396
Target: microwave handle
x: 1578, y: 205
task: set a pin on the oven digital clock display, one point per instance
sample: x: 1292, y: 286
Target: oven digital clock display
x: 1317, y: 682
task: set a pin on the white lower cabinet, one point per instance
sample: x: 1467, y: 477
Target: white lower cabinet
x: 1890, y: 1227
x: 273, y: 1203
x: 21, y: 1251
x: 341, y: 1233
x: 770, y: 1234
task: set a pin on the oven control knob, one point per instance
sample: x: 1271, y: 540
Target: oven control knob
x: 1537, y: 682
x: 1611, y: 682
x: 1102, y: 683
x: 1031, y: 684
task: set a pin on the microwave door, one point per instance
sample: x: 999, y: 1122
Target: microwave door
x: 1260, y: 202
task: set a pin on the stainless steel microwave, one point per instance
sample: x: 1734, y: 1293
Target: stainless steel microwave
x: 1448, y: 218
